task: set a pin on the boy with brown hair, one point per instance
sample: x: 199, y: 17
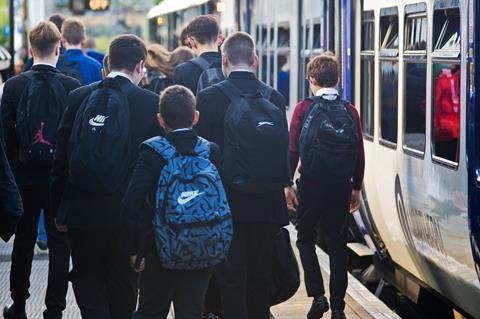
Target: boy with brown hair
x: 30, y: 143
x: 326, y: 134
x: 74, y: 62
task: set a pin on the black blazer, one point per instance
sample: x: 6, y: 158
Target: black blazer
x: 187, y: 73
x: 212, y: 105
x: 12, y: 93
x: 138, y: 237
x: 85, y: 210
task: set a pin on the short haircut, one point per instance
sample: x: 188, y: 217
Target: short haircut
x: 90, y: 43
x: 239, y: 48
x: 126, y: 51
x: 324, y: 69
x: 158, y: 58
x: 183, y: 38
x: 58, y: 20
x: 204, y: 29
x: 177, y: 107
x: 106, y: 64
x: 44, y: 37
x: 180, y: 55
x: 73, y: 30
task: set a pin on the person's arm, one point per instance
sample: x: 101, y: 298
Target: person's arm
x: 296, y: 124
x: 9, y: 118
x: 360, y: 166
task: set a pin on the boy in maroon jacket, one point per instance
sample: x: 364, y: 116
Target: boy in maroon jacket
x: 324, y: 202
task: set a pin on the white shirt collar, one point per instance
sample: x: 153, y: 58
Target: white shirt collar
x: 328, y: 93
x: 114, y: 74
x: 242, y: 70
x: 44, y: 63
x: 182, y: 129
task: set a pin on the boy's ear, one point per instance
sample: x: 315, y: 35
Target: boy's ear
x: 196, y: 117
x: 161, y: 120
x: 30, y: 51
x: 313, y: 81
x: 255, y: 62
x: 224, y: 60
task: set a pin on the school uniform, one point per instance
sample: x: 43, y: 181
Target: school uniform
x: 160, y: 286
x: 33, y: 182
x: 103, y: 282
x: 244, y: 279
x: 324, y: 204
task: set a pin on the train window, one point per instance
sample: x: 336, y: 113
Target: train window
x: 389, y: 101
x: 446, y: 110
x: 416, y: 33
x: 257, y: 37
x: 389, y: 32
x: 283, y: 61
x: 317, y: 36
x: 447, y: 36
x: 367, y: 96
x: 283, y: 40
x: 264, y: 56
x: 367, y: 36
x: 415, y: 105
x: 264, y: 37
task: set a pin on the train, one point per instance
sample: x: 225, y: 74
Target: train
x: 410, y: 68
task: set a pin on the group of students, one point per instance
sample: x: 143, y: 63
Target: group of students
x: 175, y: 198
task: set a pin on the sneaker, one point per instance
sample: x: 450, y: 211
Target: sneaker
x: 318, y: 308
x: 338, y: 314
x: 42, y: 244
x: 9, y: 312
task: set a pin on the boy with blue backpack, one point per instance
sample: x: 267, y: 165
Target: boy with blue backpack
x: 176, y: 188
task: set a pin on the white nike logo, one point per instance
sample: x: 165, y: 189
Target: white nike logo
x: 265, y: 123
x: 185, y: 197
x: 98, y: 120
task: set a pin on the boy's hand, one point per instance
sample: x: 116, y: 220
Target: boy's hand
x: 61, y: 228
x: 355, y: 201
x: 292, y: 200
x: 137, y: 267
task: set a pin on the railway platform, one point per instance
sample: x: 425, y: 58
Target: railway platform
x: 360, y: 303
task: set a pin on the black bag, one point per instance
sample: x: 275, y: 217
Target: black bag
x: 256, y: 141
x: 285, y: 271
x: 328, y: 141
x: 70, y: 68
x: 210, y: 74
x: 100, y: 144
x: 39, y: 112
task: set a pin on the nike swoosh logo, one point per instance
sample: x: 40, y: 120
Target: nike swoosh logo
x: 182, y: 200
x: 92, y: 122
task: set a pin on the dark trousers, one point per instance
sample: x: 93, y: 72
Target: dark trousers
x: 324, y: 207
x: 104, y: 284
x: 160, y: 287
x: 245, y: 278
x: 34, y: 199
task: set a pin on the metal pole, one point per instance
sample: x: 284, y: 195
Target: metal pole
x: 11, y: 18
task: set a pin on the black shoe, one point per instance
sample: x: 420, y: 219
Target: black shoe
x: 10, y: 312
x: 42, y: 245
x: 338, y: 314
x: 318, y: 308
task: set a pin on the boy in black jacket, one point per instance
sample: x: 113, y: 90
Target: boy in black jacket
x: 158, y: 286
x: 33, y: 179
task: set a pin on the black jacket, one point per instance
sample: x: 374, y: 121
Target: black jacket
x: 86, y: 210
x: 212, y: 105
x: 12, y: 93
x: 187, y: 73
x: 138, y: 235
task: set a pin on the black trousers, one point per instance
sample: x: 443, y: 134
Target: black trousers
x: 35, y: 198
x: 245, y: 278
x: 160, y: 287
x: 324, y: 207
x: 104, y: 284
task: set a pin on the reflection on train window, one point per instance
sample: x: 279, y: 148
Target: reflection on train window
x: 416, y: 33
x: 389, y: 32
x: 367, y: 93
x: 447, y: 29
x: 368, y: 36
x: 415, y: 105
x: 446, y: 110
x: 317, y: 35
x: 389, y: 100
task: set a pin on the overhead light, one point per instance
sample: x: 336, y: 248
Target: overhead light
x: 160, y: 21
x: 221, y: 7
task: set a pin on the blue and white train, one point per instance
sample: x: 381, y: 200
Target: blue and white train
x: 410, y: 68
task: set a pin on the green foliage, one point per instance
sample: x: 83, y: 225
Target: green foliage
x: 3, y: 21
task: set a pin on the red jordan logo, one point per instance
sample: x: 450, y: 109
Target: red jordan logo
x: 38, y: 138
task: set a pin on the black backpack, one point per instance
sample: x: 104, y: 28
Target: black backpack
x: 100, y: 144
x: 210, y: 74
x: 70, y: 68
x: 256, y: 141
x: 39, y: 112
x: 328, y: 141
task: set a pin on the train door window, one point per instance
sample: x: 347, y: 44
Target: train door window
x: 447, y: 73
x: 415, y: 88
x: 264, y: 57
x: 367, y: 108
x: 283, y: 61
x: 317, y: 36
x: 304, y: 87
x: 389, y: 76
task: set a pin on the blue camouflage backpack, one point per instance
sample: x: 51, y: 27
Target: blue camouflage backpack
x: 192, y: 223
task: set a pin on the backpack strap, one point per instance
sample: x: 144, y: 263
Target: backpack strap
x: 265, y: 90
x: 229, y: 89
x: 162, y: 146
x: 202, y: 148
x: 201, y: 63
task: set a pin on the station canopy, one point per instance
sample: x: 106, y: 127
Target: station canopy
x: 169, y: 6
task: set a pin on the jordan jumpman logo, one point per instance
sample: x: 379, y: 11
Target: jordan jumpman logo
x: 38, y: 138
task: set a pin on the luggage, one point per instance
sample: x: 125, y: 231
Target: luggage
x: 100, y: 143
x: 256, y: 141
x: 210, y: 75
x: 192, y: 224
x: 328, y: 141
x: 39, y: 112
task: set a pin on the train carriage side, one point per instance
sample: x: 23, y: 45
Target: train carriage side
x: 412, y: 70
